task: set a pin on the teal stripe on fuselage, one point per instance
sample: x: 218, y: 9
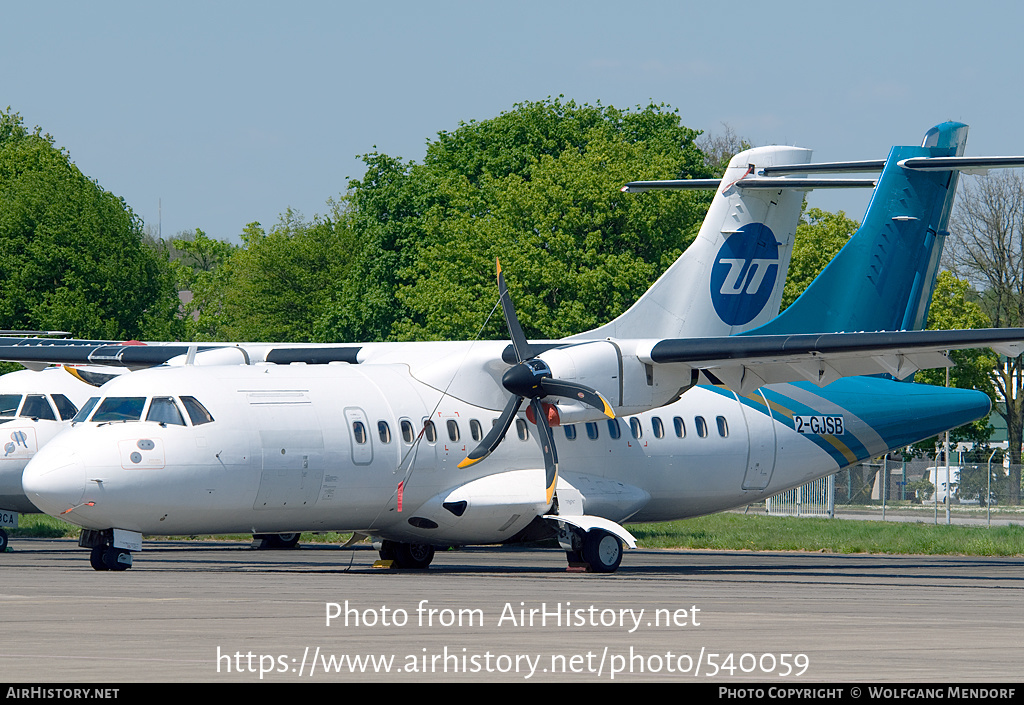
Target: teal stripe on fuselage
x: 784, y: 408
x: 900, y: 413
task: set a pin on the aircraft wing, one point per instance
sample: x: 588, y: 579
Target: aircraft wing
x: 42, y: 351
x: 38, y: 352
x: 744, y: 363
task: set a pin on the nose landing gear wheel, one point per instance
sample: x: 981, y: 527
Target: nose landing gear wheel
x: 110, y: 558
x: 3, y: 541
x: 96, y: 558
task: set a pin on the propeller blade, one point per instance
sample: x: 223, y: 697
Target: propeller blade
x: 573, y: 390
x: 497, y: 432
x: 515, y: 331
x: 547, y: 444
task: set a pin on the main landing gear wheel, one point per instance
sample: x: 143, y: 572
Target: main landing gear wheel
x: 283, y: 540
x: 414, y: 556
x: 602, y: 550
x: 275, y: 541
x: 3, y: 541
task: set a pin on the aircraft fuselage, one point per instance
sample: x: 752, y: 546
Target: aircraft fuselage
x: 340, y: 447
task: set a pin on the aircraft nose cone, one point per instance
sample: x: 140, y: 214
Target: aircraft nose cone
x: 54, y: 480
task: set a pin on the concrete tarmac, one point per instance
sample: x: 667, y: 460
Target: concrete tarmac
x: 221, y: 612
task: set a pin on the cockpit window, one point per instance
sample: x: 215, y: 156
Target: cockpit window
x: 65, y: 407
x: 36, y: 407
x: 9, y: 404
x: 83, y: 414
x: 164, y: 410
x: 119, y: 409
x: 196, y: 411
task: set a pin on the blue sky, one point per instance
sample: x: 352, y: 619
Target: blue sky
x: 231, y: 112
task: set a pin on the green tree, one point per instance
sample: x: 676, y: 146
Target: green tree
x: 71, y: 254
x: 537, y: 186
x: 197, y: 261
x: 276, y: 286
x: 819, y: 237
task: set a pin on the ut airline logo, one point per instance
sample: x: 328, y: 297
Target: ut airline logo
x: 744, y: 273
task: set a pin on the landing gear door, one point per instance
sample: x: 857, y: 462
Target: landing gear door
x: 761, y: 431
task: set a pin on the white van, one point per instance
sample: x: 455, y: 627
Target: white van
x: 943, y: 484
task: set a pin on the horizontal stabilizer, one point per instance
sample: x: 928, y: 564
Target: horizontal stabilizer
x: 971, y: 165
x: 748, y: 183
x: 825, y: 167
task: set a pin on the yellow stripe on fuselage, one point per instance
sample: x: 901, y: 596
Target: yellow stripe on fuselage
x: 836, y: 443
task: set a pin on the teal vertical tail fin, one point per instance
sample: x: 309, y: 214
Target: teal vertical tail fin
x: 884, y: 276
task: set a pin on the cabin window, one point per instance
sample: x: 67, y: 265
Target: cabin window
x: 196, y: 411
x: 521, y: 429
x: 570, y: 432
x: 723, y: 427
x: 163, y: 410
x: 359, y: 432
x: 680, y: 426
x: 65, y: 407
x: 430, y: 431
x: 119, y: 409
x: 36, y: 407
x: 634, y: 427
x: 453, y: 430
x: 592, y: 430
x: 614, y: 429
x: 476, y: 430
x: 83, y: 414
x: 702, y: 426
x: 384, y: 431
x: 658, y: 427
x: 408, y: 432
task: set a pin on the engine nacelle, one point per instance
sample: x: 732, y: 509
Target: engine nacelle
x: 613, y: 369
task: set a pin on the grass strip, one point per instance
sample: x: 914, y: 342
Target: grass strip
x: 730, y: 532
x: 737, y: 532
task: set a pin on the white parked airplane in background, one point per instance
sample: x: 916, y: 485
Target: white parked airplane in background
x: 404, y: 442
x: 34, y: 407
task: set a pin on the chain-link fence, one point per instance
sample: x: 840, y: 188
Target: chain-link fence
x: 972, y: 490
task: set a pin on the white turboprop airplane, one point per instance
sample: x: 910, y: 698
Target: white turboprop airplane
x: 388, y: 440
x: 771, y: 214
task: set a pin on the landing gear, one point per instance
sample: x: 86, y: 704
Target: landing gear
x: 103, y: 554
x: 3, y: 541
x: 602, y: 550
x: 596, y: 550
x: 110, y: 558
x: 275, y: 541
x: 412, y: 556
